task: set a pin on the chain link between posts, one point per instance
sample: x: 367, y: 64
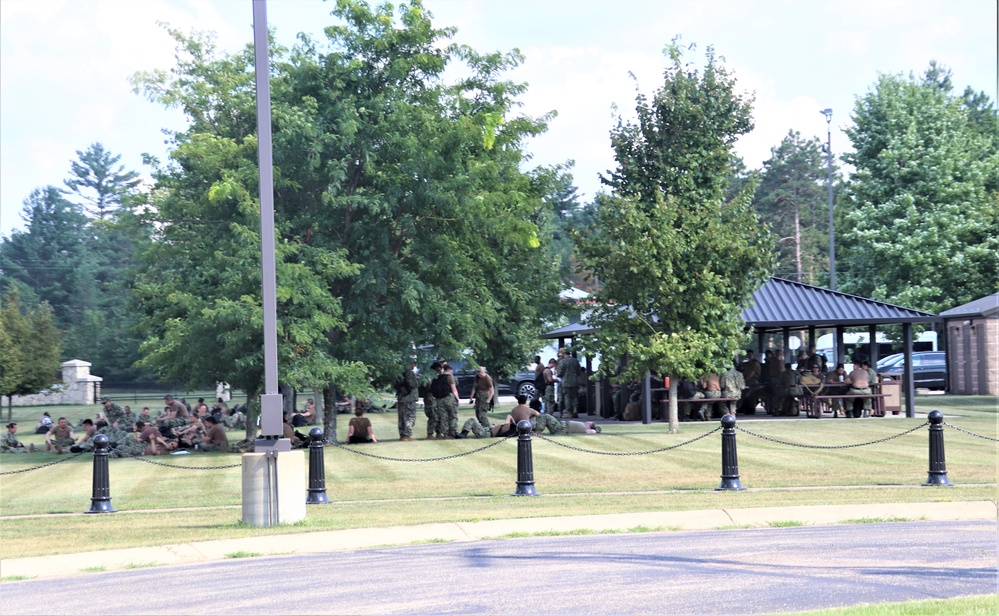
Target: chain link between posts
x: 988, y: 438
x: 457, y: 455
x: 190, y: 468
x: 627, y: 453
x: 53, y: 463
x: 880, y: 440
x: 539, y: 436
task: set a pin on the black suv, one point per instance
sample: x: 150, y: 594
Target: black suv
x: 929, y: 370
x: 520, y: 383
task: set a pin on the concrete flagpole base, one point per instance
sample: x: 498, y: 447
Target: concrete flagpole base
x: 273, y: 484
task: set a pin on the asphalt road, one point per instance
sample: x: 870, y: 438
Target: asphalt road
x: 751, y: 571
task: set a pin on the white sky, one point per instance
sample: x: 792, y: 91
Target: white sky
x: 64, y: 66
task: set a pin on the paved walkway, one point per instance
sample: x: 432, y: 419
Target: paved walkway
x: 353, y: 539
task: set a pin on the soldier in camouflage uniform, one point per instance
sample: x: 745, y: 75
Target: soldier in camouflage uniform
x: 549, y: 392
x: 175, y: 416
x: 568, y: 369
x: 473, y: 426
x: 540, y: 422
x: 407, y: 392
x: 215, y: 438
x: 10, y: 444
x: 556, y: 427
x: 450, y: 404
x: 128, y: 419
x: 112, y: 412
x: 128, y: 445
x: 482, y: 394
x: 733, y: 383
x: 60, y: 437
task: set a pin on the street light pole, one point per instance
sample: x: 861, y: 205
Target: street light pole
x: 832, y: 245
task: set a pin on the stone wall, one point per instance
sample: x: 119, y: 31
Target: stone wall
x: 973, y: 356
x: 78, y: 386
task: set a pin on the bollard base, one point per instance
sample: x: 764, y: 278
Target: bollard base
x: 101, y: 506
x: 317, y: 498
x: 938, y: 479
x: 730, y: 483
x: 525, y: 490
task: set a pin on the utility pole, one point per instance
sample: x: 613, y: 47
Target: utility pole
x: 832, y: 245
x: 266, y: 500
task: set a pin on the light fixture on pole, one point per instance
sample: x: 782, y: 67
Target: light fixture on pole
x: 827, y: 149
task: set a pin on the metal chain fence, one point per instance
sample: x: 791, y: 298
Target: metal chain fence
x: 542, y: 437
x: 988, y: 438
x: 53, y: 463
x: 190, y: 468
x: 457, y: 455
x: 880, y: 440
x: 627, y: 453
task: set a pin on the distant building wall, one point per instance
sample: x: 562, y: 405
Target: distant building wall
x: 973, y: 355
x: 78, y: 386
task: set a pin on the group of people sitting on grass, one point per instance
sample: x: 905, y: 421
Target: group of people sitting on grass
x: 178, y: 427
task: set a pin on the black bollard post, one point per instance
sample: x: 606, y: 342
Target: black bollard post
x: 938, y: 465
x: 317, y: 469
x: 730, y: 459
x: 100, y: 502
x: 525, y: 461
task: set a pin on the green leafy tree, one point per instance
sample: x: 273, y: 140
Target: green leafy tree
x: 677, y: 260
x: 923, y: 228
x: 31, y: 361
x: 404, y: 222
x: 105, y: 331
x: 791, y: 198
x: 97, y: 184
x: 49, y: 257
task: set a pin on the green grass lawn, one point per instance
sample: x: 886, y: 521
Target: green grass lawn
x: 368, y: 492
x: 984, y: 605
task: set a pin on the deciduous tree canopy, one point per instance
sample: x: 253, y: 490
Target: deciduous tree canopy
x: 676, y: 259
x: 922, y: 229
x: 404, y: 222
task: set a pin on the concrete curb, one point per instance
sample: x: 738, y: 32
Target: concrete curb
x: 353, y: 539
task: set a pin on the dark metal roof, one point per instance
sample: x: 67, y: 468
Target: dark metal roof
x: 783, y: 303
x: 983, y: 307
x: 570, y: 331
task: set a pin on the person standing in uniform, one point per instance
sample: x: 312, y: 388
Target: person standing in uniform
x: 407, y: 392
x: 549, y: 392
x: 568, y: 371
x: 445, y: 403
x: 482, y: 395
x: 733, y: 384
x: 451, y: 402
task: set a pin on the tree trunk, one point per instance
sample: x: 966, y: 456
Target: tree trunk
x: 329, y: 414
x: 797, y: 240
x: 674, y: 424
